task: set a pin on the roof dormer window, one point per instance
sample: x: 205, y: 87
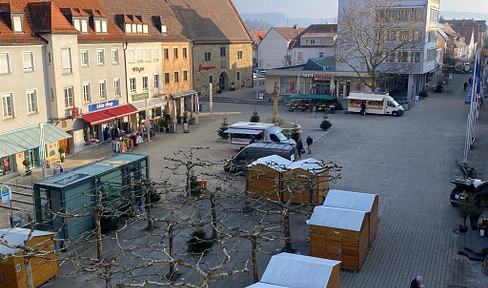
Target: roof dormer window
x: 84, y: 25
x: 77, y: 24
x: 128, y: 28
x: 145, y: 29
x: 80, y: 24
x: 139, y: 28
x: 163, y: 29
x: 17, y: 26
x: 101, y: 25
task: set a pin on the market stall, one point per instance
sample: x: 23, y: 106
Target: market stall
x: 306, y: 102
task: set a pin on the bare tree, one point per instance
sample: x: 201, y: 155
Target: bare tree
x: 378, y: 39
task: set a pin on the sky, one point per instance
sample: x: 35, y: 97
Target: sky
x: 328, y: 8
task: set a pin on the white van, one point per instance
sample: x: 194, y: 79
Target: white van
x: 375, y: 103
x: 245, y: 133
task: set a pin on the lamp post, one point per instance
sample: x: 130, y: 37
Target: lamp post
x: 275, y: 118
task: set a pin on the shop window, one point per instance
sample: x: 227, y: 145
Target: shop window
x: 5, y: 166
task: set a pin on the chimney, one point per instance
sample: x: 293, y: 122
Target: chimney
x: 295, y: 26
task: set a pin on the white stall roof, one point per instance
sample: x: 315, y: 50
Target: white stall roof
x: 273, y: 161
x: 264, y: 285
x: 351, y: 200
x: 17, y: 236
x: 298, y: 271
x: 334, y: 217
x: 312, y: 165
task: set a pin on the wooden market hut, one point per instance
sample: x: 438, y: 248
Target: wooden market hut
x: 339, y: 234
x: 357, y: 201
x: 309, y: 181
x: 264, y: 177
x: 12, y: 267
x: 287, y: 270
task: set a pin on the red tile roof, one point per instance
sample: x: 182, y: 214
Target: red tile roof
x: 258, y: 35
x: 153, y: 12
x: 7, y: 36
x: 211, y: 21
x: 48, y: 18
x: 466, y: 32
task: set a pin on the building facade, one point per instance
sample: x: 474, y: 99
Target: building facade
x: 316, y: 41
x: 274, y: 47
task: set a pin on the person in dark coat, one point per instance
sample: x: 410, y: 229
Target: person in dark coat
x: 417, y: 282
x: 363, y: 108
x: 309, y: 143
x: 299, y: 148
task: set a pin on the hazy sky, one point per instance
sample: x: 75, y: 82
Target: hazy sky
x: 328, y: 8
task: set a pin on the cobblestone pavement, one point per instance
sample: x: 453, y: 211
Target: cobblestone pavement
x: 407, y: 160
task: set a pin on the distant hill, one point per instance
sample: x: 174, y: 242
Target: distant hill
x: 280, y: 20
x: 460, y: 15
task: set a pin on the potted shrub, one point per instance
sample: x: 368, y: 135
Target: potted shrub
x: 27, y: 164
x: 62, y: 153
x: 199, y: 242
x: 254, y: 117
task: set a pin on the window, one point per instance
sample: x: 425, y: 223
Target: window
x: 98, y: 26
x: 66, y: 60
x: 28, y: 61
x: 76, y: 24
x: 132, y: 85
x: 208, y: 56
x: 184, y: 53
x: 86, y: 89
x: 68, y: 97
x: 8, y: 105
x: 148, y: 55
x: 177, y: 79
x: 84, y: 58
x: 239, y: 54
x: 431, y: 54
x: 166, y: 53
x: 145, y: 29
x: 130, y: 55
x: 104, y: 26
x: 115, y: 55
x: 145, y: 83
x: 139, y: 28
x: 175, y: 53
x: 238, y: 76
x: 391, y: 57
x: 102, y: 89
x: 300, y: 56
x: 222, y: 51
x: 17, y: 24
x: 156, y: 81
x: 163, y: 29
x: 166, y: 78
x: 100, y: 56
x: 117, y: 87
x: 403, y: 56
x: 134, y: 28
x: 4, y: 63
x: 84, y: 25
x: 416, y: 57
x: 49, y: 58
x: 140, y: 54
x: 321, y: 54
x: 128, y: 28
x: 155, y: 54
x: 185, y: 75
x: 210, y: 79
x: 434, y: 15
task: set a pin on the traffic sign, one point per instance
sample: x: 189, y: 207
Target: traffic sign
x: 6, y: 194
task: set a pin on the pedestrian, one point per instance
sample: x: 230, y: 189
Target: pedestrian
x: 363, y: 108
x: 314, y: 110
x: 417, y: 282
x: 465, y: 86
x: 309, y: 143
x: 300, y: 149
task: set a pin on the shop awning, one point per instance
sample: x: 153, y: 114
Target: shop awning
x: 152, y: 103
x: 20, y: 140
x: 312, y: 97
x: 110, y: 114
x: 243, y: 131
x: 183, y: 94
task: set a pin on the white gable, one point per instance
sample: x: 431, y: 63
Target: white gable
x: 350, y: 200
x: 340, y: 218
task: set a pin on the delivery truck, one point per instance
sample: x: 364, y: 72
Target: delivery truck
x: 244, y: 133
x: 375, y: 103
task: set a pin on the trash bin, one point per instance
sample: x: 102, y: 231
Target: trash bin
x: 200, y: 107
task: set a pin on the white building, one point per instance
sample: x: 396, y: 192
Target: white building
x: 273, y: 50
x: 316, y: 41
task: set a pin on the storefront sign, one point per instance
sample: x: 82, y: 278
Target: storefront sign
x: 141, y: 96
x: 201, y: 67
x: 317, y: 75
x: 6, y: 194
x: 103, y: 105
x: 138, y: 69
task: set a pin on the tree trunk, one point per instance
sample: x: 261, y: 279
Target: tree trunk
x: 98, y: 229
x: 214, y: 215
x: 108, y: 276
x: 150, y: 223
x: 172, y: 268
x: 254, y: 251
x: 287, y: 230
x: 28, y: 272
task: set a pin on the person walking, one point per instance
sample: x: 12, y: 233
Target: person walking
x: 417, y: 282
x: 309, y: 143
x: 314, y: 110
x: 465, y: 86
x: 300, y: 149
x: 363, y: 108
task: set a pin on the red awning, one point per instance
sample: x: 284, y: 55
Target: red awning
x: 110, y: 114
